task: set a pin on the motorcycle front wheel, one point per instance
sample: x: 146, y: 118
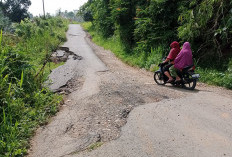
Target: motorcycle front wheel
x: 159, y: 79
x: 190, y: 85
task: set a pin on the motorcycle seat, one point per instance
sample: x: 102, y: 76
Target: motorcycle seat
x: 185, y: 69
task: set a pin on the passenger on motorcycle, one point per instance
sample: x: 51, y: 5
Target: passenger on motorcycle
x: 183, y: 59
x: 175, y: 49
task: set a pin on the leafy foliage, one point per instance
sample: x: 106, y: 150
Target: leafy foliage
x: 86, y: 12
x: 123, y: 13
x: 207, y: 25
x: 70, y: 15
x: 103, y: 21
x: 24, y: 102
x: 4, y: 21
x: 142, y: 59
x: 156, y: 23
x: 15, y: 10
x: 145, y: 25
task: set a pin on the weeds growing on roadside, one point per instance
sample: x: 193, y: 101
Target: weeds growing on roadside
x: 24, y: 102
x: 144, y: 60
x: 133, y: 58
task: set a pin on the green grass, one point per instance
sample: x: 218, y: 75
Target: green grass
x: 134, y: 58
x: 143, y: 60
x: 214, y: 77
x: 95, y: 146
x: 24, y: 101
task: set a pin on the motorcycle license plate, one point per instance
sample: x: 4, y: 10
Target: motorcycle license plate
x: 196, y: 75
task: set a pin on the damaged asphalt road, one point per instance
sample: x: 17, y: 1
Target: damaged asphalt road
x: 120, y: 108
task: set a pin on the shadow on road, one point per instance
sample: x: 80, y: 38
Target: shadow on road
x: 181, y: 89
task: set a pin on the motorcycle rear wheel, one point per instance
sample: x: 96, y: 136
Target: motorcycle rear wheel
x: 190, y: 85
x: 159, y: 79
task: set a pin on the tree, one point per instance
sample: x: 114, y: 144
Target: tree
x: 71, y: 15
x: 86, y: 11
x: 4, y: 21
x: 146, y: 24
x: 15, y: 10
x: 123, y: 14
x: 207, y: 24
x: 103, y: 21
x: 156, y: 23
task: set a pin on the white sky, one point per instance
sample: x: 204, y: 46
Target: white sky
x: 51, y: 6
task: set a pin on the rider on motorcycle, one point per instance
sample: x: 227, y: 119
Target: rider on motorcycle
x: 183, y: 59
x: 175, y: 49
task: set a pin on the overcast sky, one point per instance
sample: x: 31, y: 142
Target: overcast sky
x: 51, y: 6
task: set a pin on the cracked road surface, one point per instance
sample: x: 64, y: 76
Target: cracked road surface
x: 122, y: 108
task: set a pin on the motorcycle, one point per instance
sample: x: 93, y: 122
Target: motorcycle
x: 188, y: 77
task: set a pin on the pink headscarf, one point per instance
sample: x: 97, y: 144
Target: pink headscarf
x: 184, y: 58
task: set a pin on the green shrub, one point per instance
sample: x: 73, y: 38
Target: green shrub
x: 4, y: 22
x: 24, y: 102
x: 156, y: 23
x: 143, y: 59
x: 155, y: 57
x: 207, y: 26
x: 230, y: 66
x: 215, y: 77
x: 143, y: 25
x: 137, y: 57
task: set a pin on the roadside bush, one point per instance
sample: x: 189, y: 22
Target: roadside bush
x: 155, y: 57
x: 24, y: 102
x: 103, y: 22
x: 38, y: 26
x: 156, y: 23
x: 215, y: 77
x: 207, y: 26
x: 143, y: 25
x: 138, y: 57
x: 4, y: 22
x: 230, y: 66
x: 123, y: 13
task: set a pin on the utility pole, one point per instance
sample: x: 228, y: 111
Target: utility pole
x: 44, y: 10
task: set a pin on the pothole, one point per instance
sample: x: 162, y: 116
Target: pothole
x: 63, y: 54
x: 72, y: 85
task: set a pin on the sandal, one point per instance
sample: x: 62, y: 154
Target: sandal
x: 170, y: 80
